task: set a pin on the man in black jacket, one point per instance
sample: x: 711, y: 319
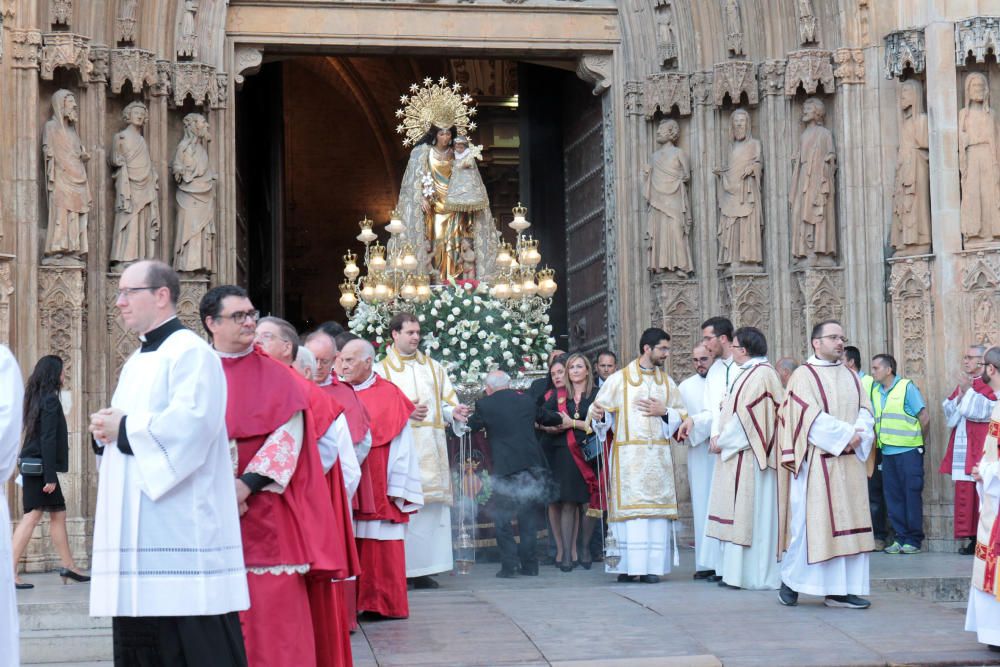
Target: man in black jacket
x: 520, y: 473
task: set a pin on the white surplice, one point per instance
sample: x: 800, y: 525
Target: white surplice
x: 970, y: 406
x: 843, y: 575
x: 166, y: 530
x: 983, y: 613
x: 701, y: 467
x: 11, y: 396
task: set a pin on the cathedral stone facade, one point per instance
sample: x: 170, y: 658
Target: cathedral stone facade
x: 768, y: 159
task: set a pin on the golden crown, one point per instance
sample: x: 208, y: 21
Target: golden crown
x: 434, y: 104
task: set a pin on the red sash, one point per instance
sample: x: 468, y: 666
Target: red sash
x: 589, y: 476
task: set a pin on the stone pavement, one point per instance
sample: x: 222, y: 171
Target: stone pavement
x: 584, y: 619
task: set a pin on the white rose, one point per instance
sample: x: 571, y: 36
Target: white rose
x: 503, y: 344
x: 473, y: 351
x: 446, y: 352
x: 515, y: 340
x: 461, y: 355
x: 547, y: 328
x: 481, y: 335
x: 453, y: 331
x: 466, y: 335
x: 456, y: 311
x: 451, y: 318
x: 476, y: 309
x: 421, y: 317
x: 507, y: 327
x: 434, y: 312
x: 489, y: 319
x: 440, y: 324
x: 508, y: 355
x: 463, y: 345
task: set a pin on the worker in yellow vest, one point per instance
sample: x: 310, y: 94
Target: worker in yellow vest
x: 901, y: 427
x: 876, y: 499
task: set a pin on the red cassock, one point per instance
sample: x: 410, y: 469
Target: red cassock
x: 358, y: 423
x: 382, y: 584
x: 281, y: 532
x: 966, y: 497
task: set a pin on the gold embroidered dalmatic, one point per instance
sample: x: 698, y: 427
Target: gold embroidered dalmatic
x: 984, y: 567
x: 754, y: 401
x: 838, y: 518
x: 642, y: 470
x: 425, y: 380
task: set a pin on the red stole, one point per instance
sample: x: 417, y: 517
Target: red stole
x: 358, y: 422
x: 389, y: 409
x: 975, y: 434
x: 289, y: 528
x: 589, y: 476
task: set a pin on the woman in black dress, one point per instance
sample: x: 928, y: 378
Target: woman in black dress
x: 45, y: 437
x: 565, y: 409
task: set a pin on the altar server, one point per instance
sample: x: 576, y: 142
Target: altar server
x: 701, y: 463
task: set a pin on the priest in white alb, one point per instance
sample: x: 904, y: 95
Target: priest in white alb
x: 11, y: 395
x: 742, y: 512
x: 168, y: 558
x: 643, y: 407
x: 426, y: 384
x: 826, y: 436
x: 700, y: 462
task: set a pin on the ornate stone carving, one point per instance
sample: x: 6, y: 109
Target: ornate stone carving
x: 976, y: 37
x: 597, y: 70
x: 666, y: 36
x: 66, y: 178
x: 810, y: 68
x: 741, y: 215
x: 26, y: 48
x: 195, y: 79
x: 60, y: 12
x: 733, y: 79
x: 807, y: 22
x: 676, y: 309
x: 187, y: 37
x: 665, y: 91
x: 610, y: 221
x: 772, y: 77
x: 248, y: 60
x: 633, y: 98
x: 99, y: 56
x: 61, y: 295
x: 222, y: 90
x: 122, y: 340
x: 813, y: 191
x: 850, y: 66
x: 701, y: 88
x: 864, y: 20
x: 912, y: 315
x: 904, y: 48
x: 125, y: 22
x: 6, y: 297
x: 64, y: 49
x: 137, y: 209
x: 135, y: 66
x: 193, y: 288
x: 734, y: 27
x: 820, y: 295
x: 163, y: 86
x: 911, y: 198
x: 977, y: 163
x: 747, y: 299
x: 981, y: 284
x: 669, y: 207
x: 194, y: 249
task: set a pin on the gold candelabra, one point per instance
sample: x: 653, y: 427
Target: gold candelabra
x: 529, y: 291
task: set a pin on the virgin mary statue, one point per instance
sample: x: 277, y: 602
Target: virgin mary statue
x: 442, y: 200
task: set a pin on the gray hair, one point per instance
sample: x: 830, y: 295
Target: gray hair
x: 285, y: 330
x: 992, y: 358
x: 367, y: 349
x: 306, y: 359
x: 787, y: 363
x: 497, y: 380
x: 979, y: 348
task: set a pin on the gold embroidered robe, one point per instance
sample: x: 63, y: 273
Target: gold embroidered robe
x: 984, y: 567
x: 425, y: 380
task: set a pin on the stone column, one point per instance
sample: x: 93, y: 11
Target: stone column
x: 702, y: 132
x: 157, y: 132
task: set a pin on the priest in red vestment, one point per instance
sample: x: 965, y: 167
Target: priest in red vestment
x: 394, y: 473
x: 967, y: 411
x: 285, y: 530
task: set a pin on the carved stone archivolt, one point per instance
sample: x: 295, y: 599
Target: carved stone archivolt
x: 676, y: 309
x: 134, y: 66
x: 850, y: 67
x: 734, y: 79
x: 196, y: 80
x: 663, y: 92
x: 904, y: 49
x: 66, y: 50
x: 912, y: 314
x: 975, y: 38
x: 809, y: 68
x: 597, y: 70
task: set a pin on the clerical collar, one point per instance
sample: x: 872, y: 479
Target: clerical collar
x: 753, y: 361
x: 327, y: 381
x: 367, y: 383
x: 152, y: 340
x: 403, y: 357
x: 816, y: 361
x: 234, y: 355
x: 728, y: 360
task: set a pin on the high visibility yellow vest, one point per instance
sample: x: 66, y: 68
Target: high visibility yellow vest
x: 867, y: 382
x: 893, y: 426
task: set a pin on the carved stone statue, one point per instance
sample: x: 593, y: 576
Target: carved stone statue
x: 741, y: 216
x: 807, y: 22
x: 66, y: 178
x: 127, y: 15
x: 813, y: 193
x: 977, y: 164
x: 194, y: 249
x: 669, y: 211
x: 911, y: 201
x: 666, y: 40
x: 137, y: 209
x: 187, y: 43
x: 6, y: 291
x: 734, y: 28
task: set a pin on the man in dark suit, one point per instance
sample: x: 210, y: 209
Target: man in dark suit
x: 520, y: 473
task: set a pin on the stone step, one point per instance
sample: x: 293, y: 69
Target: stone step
x: 59, y: 616
x: 47, y: 647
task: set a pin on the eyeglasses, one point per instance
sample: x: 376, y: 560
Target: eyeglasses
x: 240, y: 316
x: 267, y: 335
x: 835, y: 337
x: 127, y: 292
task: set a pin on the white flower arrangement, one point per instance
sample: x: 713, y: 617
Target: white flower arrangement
x: 471, y: 343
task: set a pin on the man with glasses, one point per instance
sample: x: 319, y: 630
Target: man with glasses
x: 284, y: 500
x: 168, y: 562
x: 643, y: 407
x: 825, y: 440
x: 967, y: 411
x: 701, y: 464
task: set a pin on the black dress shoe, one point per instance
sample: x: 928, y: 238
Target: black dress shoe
x: 625, y: 579
x: 787, y: 596
x: 704, y: 574
x: 586, y: 564
x: 529, y: 569
x: 506, y: 574
x: 714, y: 579
x: 424, y: 582
x: 969, y: 549
x: 723, y: 584
x: 649, y: 579
x: 993, y: 648
x: 23, y: 586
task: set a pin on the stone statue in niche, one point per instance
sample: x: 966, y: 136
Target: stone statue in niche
x: 194, y: 249
x: 669, y: 210
x: 66, y: 180
x: 813, y: 193
x: 977, y: 164
x: 137, y: 210
x: 807, y: 22
x: 741, y: 216
x: 187, y: 43
x: 734, y: 28
x: 666, y: 40
x: 911, y: 200
x: 127, y: 16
